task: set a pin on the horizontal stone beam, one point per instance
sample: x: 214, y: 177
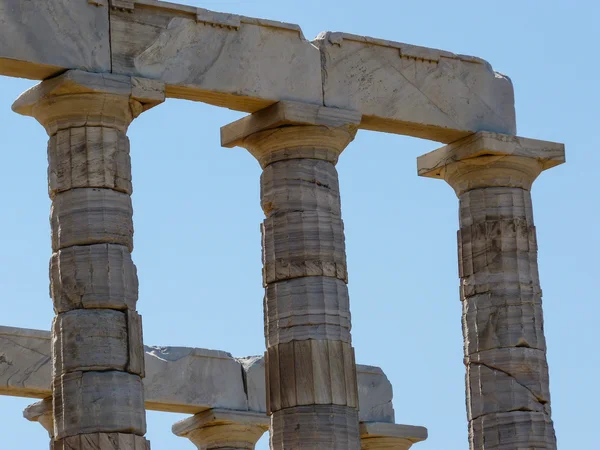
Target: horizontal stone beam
x: 247, y: 64
x: 178, y: 379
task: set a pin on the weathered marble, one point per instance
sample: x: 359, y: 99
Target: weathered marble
x: 417, y: 91
x: 311, y: 380
x: 97, y: 354
x: 245, y: 63
x: 386, y: 436
x: 507, y: 382
x: 41, y: 38
x: 223, y: 429
x: 178, y: 379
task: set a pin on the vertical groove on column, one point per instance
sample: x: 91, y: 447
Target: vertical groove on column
x: 97, y: 334
x: 508, y: 395
x: 311, y: 372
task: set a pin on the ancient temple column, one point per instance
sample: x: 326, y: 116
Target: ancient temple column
x: 507, y: 387
x: 223, y: 429
x: 97, y: 350
x: 41, y: 412
x: 311, y: 374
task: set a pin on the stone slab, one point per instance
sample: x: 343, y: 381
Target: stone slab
x: 248, y: 64
x: 550, y: 154
x: 233, y: 61
x: 178, y: 379
x: 417, y: 91
x: 41, y: 38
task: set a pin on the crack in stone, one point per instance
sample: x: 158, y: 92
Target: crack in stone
x: 542, y: 401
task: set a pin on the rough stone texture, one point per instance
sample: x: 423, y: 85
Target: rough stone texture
x: 217, y: 380
x: 375, y: 395
x: 93, y: 276
x: 41, y: 38
x: 93, y: 402
x: 91, y: 216
x: 223, y: 429
x: 385, y: 436
x: 89, y: 157
x: 41, y: 412
x: 305, y: 308
x: 91, y: 339
x: 102, y: 441
x: 315, y: 427
x: 98, y: 354
x: 508, y: 395
x: 248, y: 64
x: 190, y: 380
x: 311, y: 374
x: 245, y: 63
x: 25, y: 362
x: 417, y: 91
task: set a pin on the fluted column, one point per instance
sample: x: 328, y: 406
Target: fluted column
x: 310, y: 368
x: 97, y: 350
x: 507, y: 385
x: 223, y: 429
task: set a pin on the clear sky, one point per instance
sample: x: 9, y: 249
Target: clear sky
x: 197, y: 215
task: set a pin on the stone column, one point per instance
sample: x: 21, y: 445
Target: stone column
x: 507, y: 387
x: 97, y: 350
x: 310, y: 369
x: 389, y: 436
x: 223, y: 429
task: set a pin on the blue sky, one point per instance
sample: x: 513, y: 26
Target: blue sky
x: 197, y: 215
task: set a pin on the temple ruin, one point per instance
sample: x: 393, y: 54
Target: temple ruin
x: 102, y: 63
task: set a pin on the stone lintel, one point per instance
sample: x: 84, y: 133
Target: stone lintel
x: 214, y: 417
x: 286, y: 113
x: 178, y: 379
x: 377, y: 435
x: 484, y: 143
x: 148, y: 92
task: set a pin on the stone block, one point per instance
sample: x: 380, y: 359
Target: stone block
x: 93, y: 276
x: 90, y: 339
x: 190, y: 380
x: 84, y: 157
x: 91, y: 216
x: 382, y: 436
x: 25, y: 362
x: 102, y: 441
x: 416, y: 91
x: 41, y: 38
x: 178, y: 379
x: 245, y: 63
x: 307, y: 308
x: 93, y: 402
x: 303, y: 244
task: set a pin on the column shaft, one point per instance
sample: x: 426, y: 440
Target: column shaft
x: 311, y: 374
x: 507, y: 381
x: 97, y: 349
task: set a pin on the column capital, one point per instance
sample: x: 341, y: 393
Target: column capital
x: 41, y: 412
x: 292, y: 130
x: 386, y: 436
x: 77, y: 98
x: 487, y: 159
x: 222, y: 428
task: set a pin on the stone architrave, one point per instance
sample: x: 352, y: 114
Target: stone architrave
x: 178, y: 379
x: 97, y: 349
x: 311, y: 375
x: 223, y: 429
x: 247, y: 64
x: 508, y: 394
